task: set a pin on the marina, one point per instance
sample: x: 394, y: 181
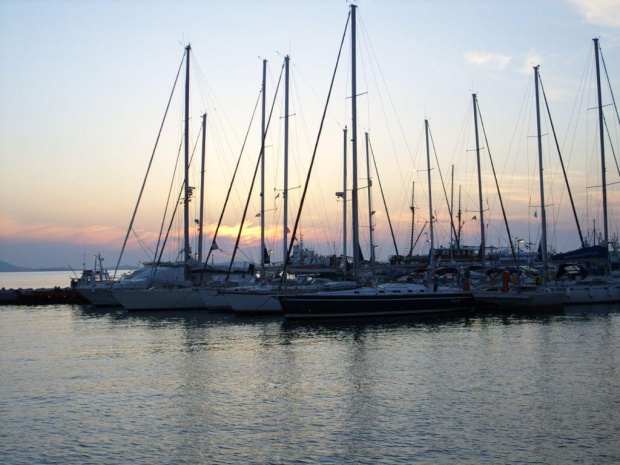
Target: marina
x: 81, y: 384
x: 319, y: 251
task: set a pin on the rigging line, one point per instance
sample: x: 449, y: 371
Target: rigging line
x: 317, y: 197
x: 316, y: 146
x: 501, y: 202
x: 600, y: 185
x: 400, y: 126
x: 177, y: 203
x: 213, y: 243
x: 170, y: 193
x: 258, y: 161
x: 517, y: 137
x: 611, y: 144
x: 133, y: 216
x: 213, y: 95
x: 609, y: 83
x: 444, y: 188
x: 578, y: 104
x: 570, y: 194
x: 417, y: 238
x: 143, y: 244
x: 383, y: 197
x: 299, y: 73
x: 163, y: 220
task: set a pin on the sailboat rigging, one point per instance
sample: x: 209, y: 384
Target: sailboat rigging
x: 379, y: 300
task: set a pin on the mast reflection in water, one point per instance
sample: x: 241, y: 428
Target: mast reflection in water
x: 80, y: 386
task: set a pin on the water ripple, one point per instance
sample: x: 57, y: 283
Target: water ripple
x: 107, y: 387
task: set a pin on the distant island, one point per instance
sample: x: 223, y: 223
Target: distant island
x: 8, y: 267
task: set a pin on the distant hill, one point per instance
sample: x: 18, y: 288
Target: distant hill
x: 4, y: 266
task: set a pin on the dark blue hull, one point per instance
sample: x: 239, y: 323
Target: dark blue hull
x: 322, y: 306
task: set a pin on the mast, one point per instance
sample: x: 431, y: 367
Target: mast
x: 459, y: 218
x: 186, y: 248
x: 602, y: 141
x: 344, y: 208
x: 370, y: 212
x: 262, y: 179
x: 452, y: 213
x: 412, y: 218
x: 354, y: 206
x: 202, y: 186
x: 430, y: 196
x: 285, y: 192
x: 543, y: 216
x: 482, y: 244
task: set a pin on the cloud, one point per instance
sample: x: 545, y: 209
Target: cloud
x: 556, y: 94
x: 487, y: 60
x: 96, y: 234
x: 599, y: 12
x: 531, y: 60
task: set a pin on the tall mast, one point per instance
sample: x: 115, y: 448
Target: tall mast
x: 262, y: 179
x: 370, y: 212
x: 482, y: 244
x: 543, y: 215
x: 354, y: 206
x: 430, y: 196
x: 187, y: 253
x: 602, y: 140
x: 285, y: 192
x: 452, y: 213
x: 459, y: 219
x: 412, y: 218
x: 344, y: 208
x: 202, y: 186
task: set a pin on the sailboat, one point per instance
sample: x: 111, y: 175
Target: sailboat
x: 177, y: 291
x: 380, y: 300
x: 572, y: 279
x: 261, y: 298
x: 519, y: 297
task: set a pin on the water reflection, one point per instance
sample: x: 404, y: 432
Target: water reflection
x: 194, y: 387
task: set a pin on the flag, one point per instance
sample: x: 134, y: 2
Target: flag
x: 214, y: 246
x: 266, y: 256
x: 535, y: 213
x: 474, y: 217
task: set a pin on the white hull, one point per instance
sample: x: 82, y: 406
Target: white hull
x: 264, y: 300
x: 159, y: 299
x: 213, y: 299
x: 591, y: 292
x: 100, y: 295
x: 538, y: 299
x: 254, y: 302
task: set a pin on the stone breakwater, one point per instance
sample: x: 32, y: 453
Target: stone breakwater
x: 51, y: 296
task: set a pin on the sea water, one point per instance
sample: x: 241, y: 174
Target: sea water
x: 80, y: 385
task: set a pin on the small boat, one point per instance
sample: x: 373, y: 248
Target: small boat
x: 95, y: 285
x: 383, y: 300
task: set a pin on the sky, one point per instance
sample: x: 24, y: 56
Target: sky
x: 84, y: 87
